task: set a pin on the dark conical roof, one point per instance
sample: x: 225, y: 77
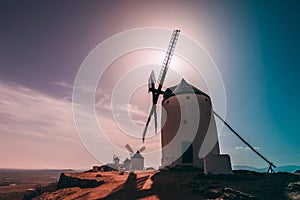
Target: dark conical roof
x: 182, y: 88
x: 126, y: 160
x: 137, y: 155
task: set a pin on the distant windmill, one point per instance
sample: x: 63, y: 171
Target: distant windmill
x: 116, y: 160
x: 136, y: 159
x: 172, y: 154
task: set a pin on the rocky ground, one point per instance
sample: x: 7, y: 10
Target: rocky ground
x: 176, y: 184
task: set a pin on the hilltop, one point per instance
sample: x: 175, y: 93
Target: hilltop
x: 175, y: 184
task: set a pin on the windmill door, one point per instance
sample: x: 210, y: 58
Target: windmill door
x: 187, y: 152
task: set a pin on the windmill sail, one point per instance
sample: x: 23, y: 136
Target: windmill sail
x: 151, y: 81
x: 142, y: 149
x: 128, y: 147
x: 160, y: 81
x: 153, y: 109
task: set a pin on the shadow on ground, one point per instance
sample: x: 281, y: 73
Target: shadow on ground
x: 195, y: 185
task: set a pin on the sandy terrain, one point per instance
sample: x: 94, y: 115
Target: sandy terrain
x: 113, y: 183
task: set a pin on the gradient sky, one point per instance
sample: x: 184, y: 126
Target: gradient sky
x: 42, y: 45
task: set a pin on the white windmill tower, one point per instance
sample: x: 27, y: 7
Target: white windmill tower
x: 137, y: 160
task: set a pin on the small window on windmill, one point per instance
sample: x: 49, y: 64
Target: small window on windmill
x: 188, y: 97
x: 185, y: 121
x: 206, y: 99
x: 167, y: 102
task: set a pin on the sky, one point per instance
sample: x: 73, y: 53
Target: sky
x: 255, y: 45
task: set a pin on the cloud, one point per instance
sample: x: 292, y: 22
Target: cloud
x: 245, y: 148
x: 31, y: 113
x: 238, y: 148
x: 37, y: 129
x: 132, y: 120
x: 225, y: 133
x: 248, y: 148
x: 63, y: 84
x: 121, y: 111
x: 66, y: 89
x: 104, y: 104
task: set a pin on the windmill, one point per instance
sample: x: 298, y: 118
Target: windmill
x: 214, y: 162
x: 116, y: 160
x: 136, y: 161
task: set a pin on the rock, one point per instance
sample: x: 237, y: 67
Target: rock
x: 69, y: 181
x: 229, y: 193
x: 293, y: 190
